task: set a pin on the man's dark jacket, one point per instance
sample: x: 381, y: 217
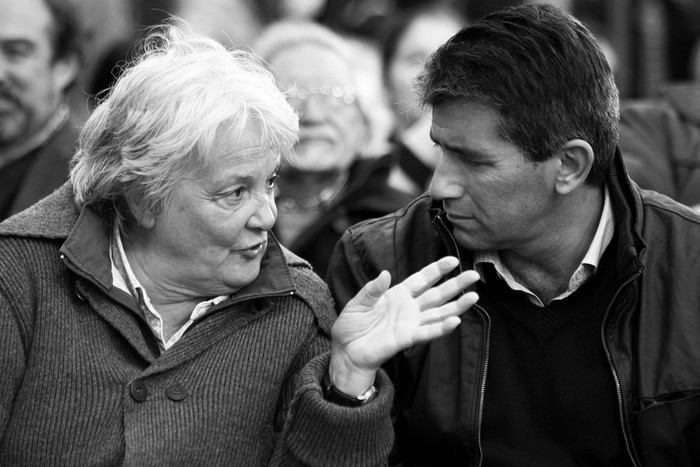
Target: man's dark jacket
x: 650, y: 333
x: 47, y: 170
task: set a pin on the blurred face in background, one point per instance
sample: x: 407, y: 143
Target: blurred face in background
x: 422, y: 37
x: 32, y: 80
x: 300, y: 9
x: 332, y: 127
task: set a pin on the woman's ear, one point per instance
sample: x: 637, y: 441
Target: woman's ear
x: 575, y: 161
x: 144, y: 216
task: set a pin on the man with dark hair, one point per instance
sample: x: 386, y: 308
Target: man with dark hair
x: 583, y: 347
x: 40, y: 56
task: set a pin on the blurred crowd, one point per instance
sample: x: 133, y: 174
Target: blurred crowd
x: 365, y: 148
x: 194, y: 189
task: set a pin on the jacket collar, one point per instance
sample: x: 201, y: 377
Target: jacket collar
x: 85, y: 244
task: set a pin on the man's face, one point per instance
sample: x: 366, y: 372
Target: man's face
x: 31, y: 81
x: 210, y: 239
x: 493, y: 196
x: 332, y: 128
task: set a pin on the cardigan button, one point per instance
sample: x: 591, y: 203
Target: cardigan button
x: 176, y: 392
x: 139, y: 391
x: 80, y: 295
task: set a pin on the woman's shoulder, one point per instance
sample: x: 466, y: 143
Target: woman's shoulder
x: 309, y: 287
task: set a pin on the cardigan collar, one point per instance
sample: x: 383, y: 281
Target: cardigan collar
x: 85, y: 244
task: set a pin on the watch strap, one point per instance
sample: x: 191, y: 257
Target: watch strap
x: 332, y: 394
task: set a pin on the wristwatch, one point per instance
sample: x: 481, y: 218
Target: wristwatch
x: 332, y: 394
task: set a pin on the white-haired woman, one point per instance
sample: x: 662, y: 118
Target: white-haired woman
x: 148, y: 316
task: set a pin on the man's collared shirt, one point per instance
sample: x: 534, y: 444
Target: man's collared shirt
x: 588, y: 266
x: 124, y: 279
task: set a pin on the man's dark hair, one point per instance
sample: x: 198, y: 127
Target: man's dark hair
x: 542, y: 70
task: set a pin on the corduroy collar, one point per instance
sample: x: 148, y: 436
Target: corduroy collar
x: 85, y: 247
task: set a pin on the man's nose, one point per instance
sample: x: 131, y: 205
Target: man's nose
x: 445, y: 182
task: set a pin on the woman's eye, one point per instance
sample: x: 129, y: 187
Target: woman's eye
x: 272, y: 182
x: 231, y: 195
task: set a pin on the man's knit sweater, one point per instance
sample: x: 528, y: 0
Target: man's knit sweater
x: 83, y: 381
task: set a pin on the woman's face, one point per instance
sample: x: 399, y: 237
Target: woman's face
x: 211, y: 238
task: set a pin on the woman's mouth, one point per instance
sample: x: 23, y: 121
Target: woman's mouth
x: 253, y: 251
x: 257, y: 249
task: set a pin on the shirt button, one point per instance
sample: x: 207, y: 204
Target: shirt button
x: 139, y: 391
x: 176, y: 392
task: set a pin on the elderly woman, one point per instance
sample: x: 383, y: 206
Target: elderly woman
x: 330, y: 185
x: 149, y: 317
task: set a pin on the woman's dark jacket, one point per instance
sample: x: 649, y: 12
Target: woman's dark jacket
x: 651, y: 330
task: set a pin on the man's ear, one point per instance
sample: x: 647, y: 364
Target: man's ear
x: 575, y: 161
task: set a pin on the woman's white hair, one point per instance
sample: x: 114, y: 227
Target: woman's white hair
x: 185, y: 96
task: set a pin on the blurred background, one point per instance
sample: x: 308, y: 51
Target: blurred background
x: 651, y: 42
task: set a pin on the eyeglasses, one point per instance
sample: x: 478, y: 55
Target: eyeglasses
x: 333, y: 96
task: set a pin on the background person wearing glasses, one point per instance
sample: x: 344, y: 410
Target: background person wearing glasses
x: 329, y: 185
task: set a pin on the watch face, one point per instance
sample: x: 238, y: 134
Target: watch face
x: 367, y: 395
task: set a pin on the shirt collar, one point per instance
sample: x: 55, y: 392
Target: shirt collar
x: 586, y: 269
x: 87, y: 249
x: 123, y: 278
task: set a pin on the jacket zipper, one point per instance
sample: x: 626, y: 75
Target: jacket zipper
x: 487, y: 343
x: 618, y: 388
x: 606, y: 348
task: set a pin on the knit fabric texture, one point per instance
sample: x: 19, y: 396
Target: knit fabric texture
x: 83, y: 381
